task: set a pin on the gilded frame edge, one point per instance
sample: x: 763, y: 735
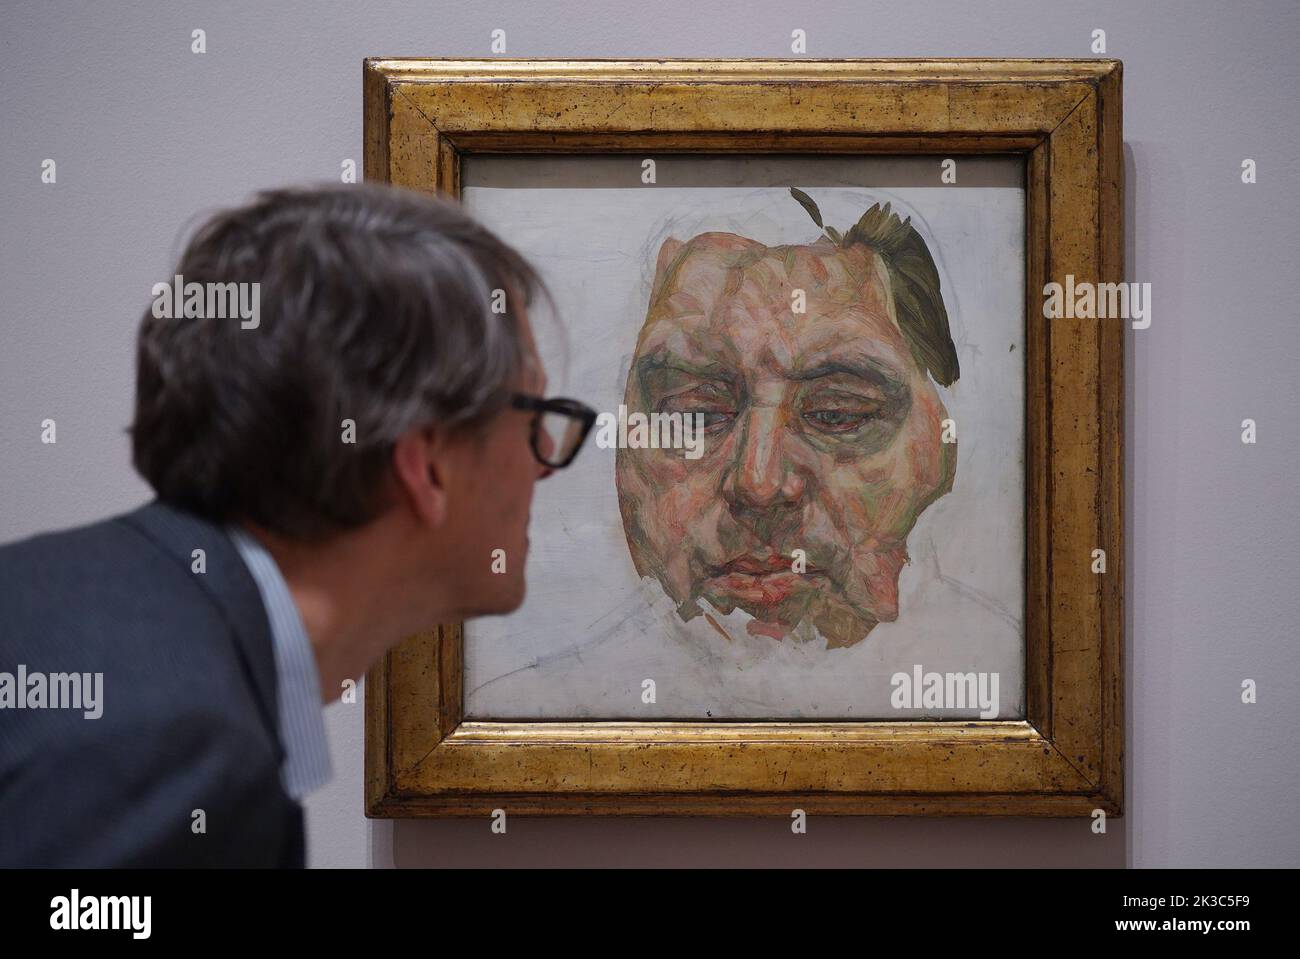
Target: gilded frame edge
x: 1071, y: 132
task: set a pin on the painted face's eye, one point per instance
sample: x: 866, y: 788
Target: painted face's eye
x: 839, y: 414
x: 836, y: 421
x: 714, y: 419
x: 713, y: 404
x: 716, y: 416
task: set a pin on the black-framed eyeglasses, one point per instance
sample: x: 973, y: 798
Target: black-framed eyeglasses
x: 560, y: 426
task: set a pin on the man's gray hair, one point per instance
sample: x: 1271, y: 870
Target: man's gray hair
x: 376, y: 306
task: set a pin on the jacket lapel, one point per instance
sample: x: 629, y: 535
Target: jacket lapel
x: 230, y: 586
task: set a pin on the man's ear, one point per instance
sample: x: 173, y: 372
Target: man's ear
x: 420, y: 464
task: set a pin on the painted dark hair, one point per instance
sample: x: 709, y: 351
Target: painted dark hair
x: 914, y: 282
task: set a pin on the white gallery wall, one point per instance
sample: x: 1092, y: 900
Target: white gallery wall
x: 148, y: 136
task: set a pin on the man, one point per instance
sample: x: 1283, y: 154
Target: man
x: 813, y: 368
x: 335, y: 469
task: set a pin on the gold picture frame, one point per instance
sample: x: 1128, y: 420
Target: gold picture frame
x: 1066, y: 757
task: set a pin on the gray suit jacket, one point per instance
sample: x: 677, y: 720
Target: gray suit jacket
x: 188, y: 697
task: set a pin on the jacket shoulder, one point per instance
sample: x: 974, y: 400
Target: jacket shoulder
x: 171, y: 725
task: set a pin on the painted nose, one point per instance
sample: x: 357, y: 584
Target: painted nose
x: 761, y: 475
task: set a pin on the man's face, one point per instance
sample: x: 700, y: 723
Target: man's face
x: 490, y: 505
x: 821, y: 434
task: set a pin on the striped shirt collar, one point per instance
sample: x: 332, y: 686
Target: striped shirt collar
x: 306, y: 765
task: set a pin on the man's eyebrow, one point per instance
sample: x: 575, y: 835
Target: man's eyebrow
x: 866, y: 368
x: 672, y: 363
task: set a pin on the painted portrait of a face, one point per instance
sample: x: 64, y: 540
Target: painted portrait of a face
x: 814, y: 368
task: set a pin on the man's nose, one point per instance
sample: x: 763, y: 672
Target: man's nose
x: 761, y: 475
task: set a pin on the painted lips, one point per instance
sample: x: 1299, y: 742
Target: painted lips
x: 760, y: 580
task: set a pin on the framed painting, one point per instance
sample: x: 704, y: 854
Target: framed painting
x: 847, y: 537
